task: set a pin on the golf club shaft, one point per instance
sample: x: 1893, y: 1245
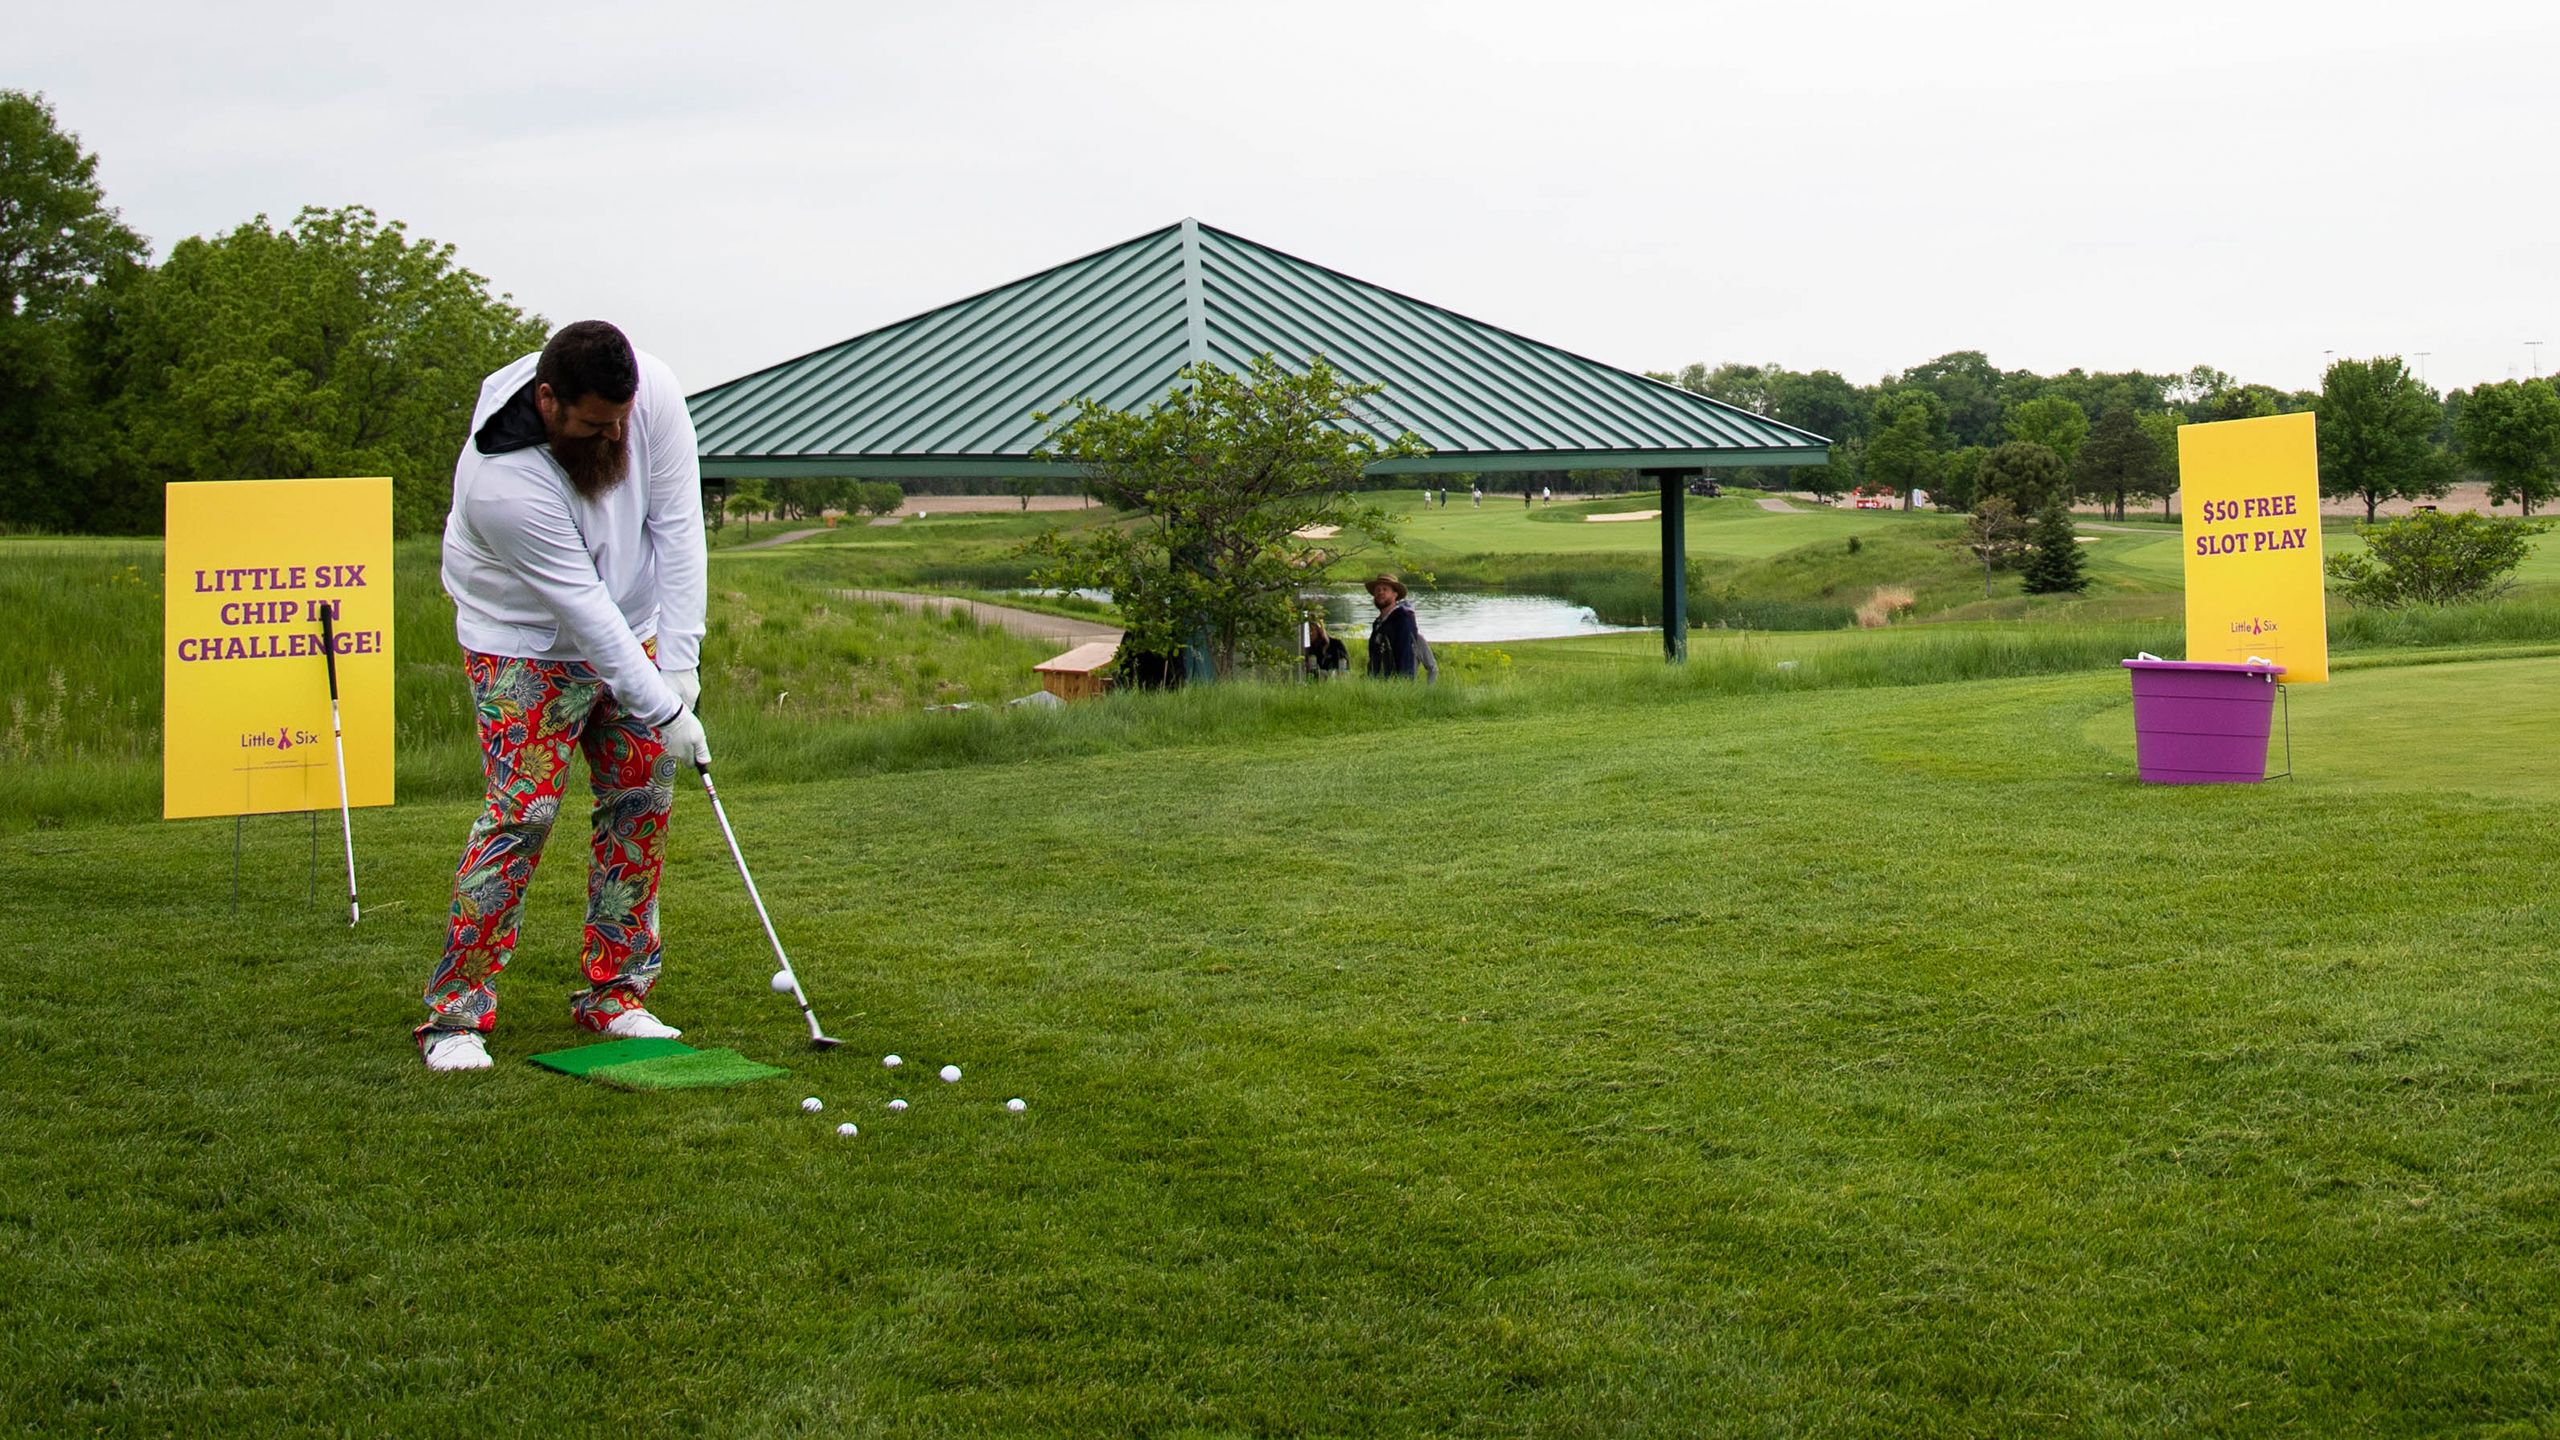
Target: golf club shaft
x: 780, y: 959
x: 338, y: 737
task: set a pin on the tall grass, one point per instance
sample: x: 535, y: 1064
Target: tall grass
x: 801, y: 682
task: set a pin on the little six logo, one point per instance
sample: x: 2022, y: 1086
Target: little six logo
x: 285, y: 738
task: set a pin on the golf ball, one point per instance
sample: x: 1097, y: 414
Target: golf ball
x: 781, y: 982
x: 848, y: 1129
x: 891, y: 1061
x: 1015, y: 1105
x: 950, y: 1073
x: 897, y: 1107
x: 813, y: 1104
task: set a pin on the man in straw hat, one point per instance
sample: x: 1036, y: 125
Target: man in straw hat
x: 1396, y: 647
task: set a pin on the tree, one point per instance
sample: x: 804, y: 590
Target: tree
x: 1905, y: 441
x: 1959, y: 481
x: 2511, y: 433
x: 1225, y: 474
x: 2377, y: 435
x: 2120, y: 460
x: 2025, y: 474
x: 2434, y: 557
x: 878, y: 497
x: 1022, y: 488
x: 746, y: 501
x: 1967, y: 389
x: 1819, y: 401
x: 2163, y: 426
x: 335, y: 346
x: 1995, y: 534
x: 59, y: 243
x: 2059, y: 425
x: 2054, y: 564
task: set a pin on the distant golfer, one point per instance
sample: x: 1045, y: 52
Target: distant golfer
x: 575, y: 559
x: 1396, y: 647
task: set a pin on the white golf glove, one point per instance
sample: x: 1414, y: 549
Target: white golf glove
x: 684, y: 739
x: 687, y: 685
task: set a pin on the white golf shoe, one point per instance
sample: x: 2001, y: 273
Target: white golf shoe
x: 459, y: 1050
x: 640, y: 1025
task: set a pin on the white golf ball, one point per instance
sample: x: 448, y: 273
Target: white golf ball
x: 813, y: 1104
x: 950, y: 1073
x: 891, y: 1062
x: 897, y: 1107
x: 1015, y: 1105
x: 848, y: 1129
x: 781, y: 982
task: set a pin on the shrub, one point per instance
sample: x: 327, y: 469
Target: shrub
x: 2433, y: 557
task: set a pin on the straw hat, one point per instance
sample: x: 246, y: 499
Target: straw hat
x: 1388, y: 581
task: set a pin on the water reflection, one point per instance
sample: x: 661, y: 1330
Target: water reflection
x: 1463, y: 617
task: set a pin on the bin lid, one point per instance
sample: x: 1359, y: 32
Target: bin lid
x: 2207, y: 666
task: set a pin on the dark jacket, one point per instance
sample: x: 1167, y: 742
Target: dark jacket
x: 1396, y: 646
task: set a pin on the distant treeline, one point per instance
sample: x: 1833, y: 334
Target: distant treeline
x: 1961, y: 429
x: 338, y: 345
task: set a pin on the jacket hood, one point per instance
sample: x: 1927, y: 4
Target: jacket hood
x: 505, y: 418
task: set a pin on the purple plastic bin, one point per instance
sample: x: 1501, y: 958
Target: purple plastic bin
x: 2197, y: 723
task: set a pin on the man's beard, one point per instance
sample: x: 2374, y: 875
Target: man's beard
x: 595, y: 463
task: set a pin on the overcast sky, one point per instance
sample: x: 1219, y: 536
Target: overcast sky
x: 1844, y: 185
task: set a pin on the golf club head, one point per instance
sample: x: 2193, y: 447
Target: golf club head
x: 824, y: 1042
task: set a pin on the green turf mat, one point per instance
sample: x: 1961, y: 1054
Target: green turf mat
x: 612, y: 1052
x: 697, y: 1070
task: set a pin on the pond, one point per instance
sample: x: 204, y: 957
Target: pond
x: 1454, y: 617
x: 1472, y: 617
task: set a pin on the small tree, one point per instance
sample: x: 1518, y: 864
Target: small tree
x: 2054, y: 564
x: 1960, y: 478
x: 2054, y: 421
x: 1994, y: 533
x: 1227, y: 475
x: 2025, y: 474
x: 2511, y: 433
x: 2377, y: 434
x: 2119, y: 461
x: 1909, y: 438
x: 1022, y: 488
x: 877, y: 497
x: 746, y: 501
x: 2434, y: 558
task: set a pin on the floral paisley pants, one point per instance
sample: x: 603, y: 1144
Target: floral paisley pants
x: 535, y: 717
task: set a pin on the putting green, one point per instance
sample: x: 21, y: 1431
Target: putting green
x: 1731, y: 527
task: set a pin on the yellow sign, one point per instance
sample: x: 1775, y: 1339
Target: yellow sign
x: 245, y: 682
x: 2251, y: 496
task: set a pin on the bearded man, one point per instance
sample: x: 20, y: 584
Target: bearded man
x: 575, y: 558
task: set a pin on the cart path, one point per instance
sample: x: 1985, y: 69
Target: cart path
x: 785, y: 538
x: 1783, y: 507
x: 1057, y: 628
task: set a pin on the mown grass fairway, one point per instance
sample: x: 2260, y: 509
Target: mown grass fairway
x: 1849, y: 1061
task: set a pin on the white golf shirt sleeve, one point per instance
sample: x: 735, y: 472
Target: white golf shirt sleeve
x: 532, y: 532
x: 675, y: 519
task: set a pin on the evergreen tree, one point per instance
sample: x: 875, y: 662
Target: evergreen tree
x: 2054, y: 564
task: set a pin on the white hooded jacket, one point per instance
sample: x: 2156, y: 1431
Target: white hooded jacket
x: 537, y: 570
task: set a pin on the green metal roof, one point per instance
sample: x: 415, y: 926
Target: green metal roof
x: 952, y: 390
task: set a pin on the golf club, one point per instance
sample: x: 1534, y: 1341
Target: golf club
x: 817, y: 1036
x: 338, y: 734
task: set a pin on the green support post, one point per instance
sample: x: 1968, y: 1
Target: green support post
x: 1675, y: 566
